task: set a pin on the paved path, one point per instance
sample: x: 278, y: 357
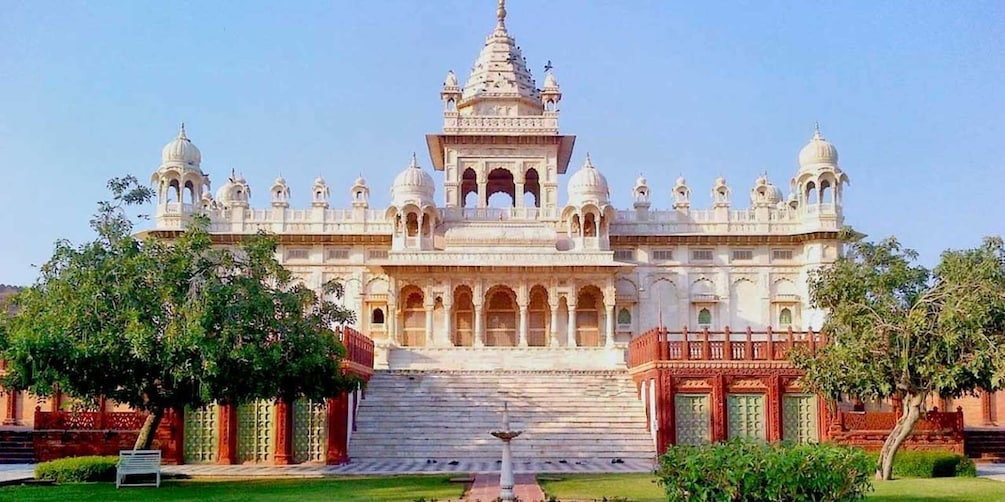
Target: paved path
x: 486, y: 488
x: 10, y: 473
x: 991, y: 471
x: 404, y: 467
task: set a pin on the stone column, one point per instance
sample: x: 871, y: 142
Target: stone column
x: 518, y: 194
x: 429, y: 324
x: 11, y: 417
x: 337, y: 451
x: 228, y: 434
x: 553, y: 329
x: 571, y: 336
x: 524, y: 321
x: 448, y: 321
x: 483, y: 197
x: 284, y: 433
x: 479, y: 326
x: 609, y: 339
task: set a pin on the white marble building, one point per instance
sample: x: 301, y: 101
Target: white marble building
x: 560, y: 268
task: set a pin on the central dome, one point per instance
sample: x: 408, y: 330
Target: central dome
x: 588, y: 185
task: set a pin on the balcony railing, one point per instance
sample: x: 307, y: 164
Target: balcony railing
x: 359, y: 348
x: 660, y: 344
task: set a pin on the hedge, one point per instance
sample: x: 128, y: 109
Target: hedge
x: 930, y: 464
x: 78, y: 469
x: 740, y: 470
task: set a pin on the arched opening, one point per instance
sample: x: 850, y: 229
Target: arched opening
x: 173, y: 192
x: 358, y: 196
x: 704, y: 318
x: 588, y: 317
x: 624, y: 316
x: 826, y: 194
x: 413, y: 314
x: 539, y: 316
x: 590, y: 225
x: 549, y: 105
x: 469, y: 185
x: 682, y: 195
x: 451, y: 105
x: 377, y: 317
x: 532, y: 189
x: 189, y: 193
x: 785, y: 318
x: 575, y: 225
x: 412, y: 224
x: 501, y: 317
x: 811, y: 193
x: 427, y: 225
x: 722, y: 195
x: 501, y: 181
x: 464, y: 318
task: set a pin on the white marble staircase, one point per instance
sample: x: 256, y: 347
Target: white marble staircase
x: 446, y: 416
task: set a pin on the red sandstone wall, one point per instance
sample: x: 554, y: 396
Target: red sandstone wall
x: 53, y: 444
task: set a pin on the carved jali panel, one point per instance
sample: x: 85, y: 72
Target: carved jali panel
x: 254, y: 431
x: 745, y: 416
x: 310, y: 430
x: 799, y: 418
x: 201, y: 434
x: 692, y: 414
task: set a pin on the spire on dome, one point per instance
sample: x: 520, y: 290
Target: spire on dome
x: 588, y: 164
x: 414, y: 164
x: 816, y: 131
x: 181, y: 132
x: 501, y: 16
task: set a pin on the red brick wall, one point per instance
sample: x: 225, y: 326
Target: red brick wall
x: 53, y: 444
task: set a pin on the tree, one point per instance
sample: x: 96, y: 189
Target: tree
x: 161, y: 325
x: 898, y: 329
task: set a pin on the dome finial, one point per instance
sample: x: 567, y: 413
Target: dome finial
x: 816, y: 131
x: 501, y: 15
x: 415, y: 162
x: 588, y: 164
x: 181, y: 132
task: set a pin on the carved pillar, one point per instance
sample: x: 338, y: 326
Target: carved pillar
x: 553, y: 328
x: 609, y: 338
x: 774, y: 408
x: 228, y: 434
x: 448, y: 320
x: 571, y: 335
x: 429, y: 323
x: 483, y: 197
x: 518, y: 194
x: 479, y: 326
x: 987, y: 405
x: 338, y: 430
x: 666, y: 432
x: 11, y: 416
x: 718, y: 408
x: 284, y: 433
x: 524, y: 322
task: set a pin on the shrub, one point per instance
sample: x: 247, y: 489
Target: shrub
x: 740, y: 470
x: 930, y: 464
x: 78, y: 469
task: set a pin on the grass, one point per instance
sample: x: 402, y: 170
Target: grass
x: 643, y: 488
x: 348, y: 489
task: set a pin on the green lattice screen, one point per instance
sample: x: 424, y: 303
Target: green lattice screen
x: 201, y: 434
x: 745, y: 416
x: 254, y: 431
x: 310, y: 430
x: 693, y: 419
x: 799, y: 418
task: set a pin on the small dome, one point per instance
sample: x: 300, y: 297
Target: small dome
x: 280, y: 181
x: 720, y: 181
x: 236, y: 189
x: 818, y: 151
x: 319, y: 180
x: 773, y: 193
x: 681, y: 181
x: 360, y: 181
x: 550, y: 82
x: 413, y: 184
x: 588, y: 185
x: 641, y: 181
x: 181, y: 150
x: 451, y: 80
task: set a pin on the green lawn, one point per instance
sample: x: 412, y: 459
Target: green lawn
x: 642, y: 487
x: 386, y: 488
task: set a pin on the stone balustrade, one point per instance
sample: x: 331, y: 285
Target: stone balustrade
x: 660, y: 344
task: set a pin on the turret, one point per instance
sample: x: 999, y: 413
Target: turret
x: 818, y: 184
x: 181, y: 184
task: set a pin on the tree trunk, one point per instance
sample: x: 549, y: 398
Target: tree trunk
x: 146, y: 435
x: 911, y: 415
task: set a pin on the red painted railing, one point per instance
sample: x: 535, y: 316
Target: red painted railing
x: 660, y: 344
x: 871, y: 421
x: 88, y: 420
x: 359, y: 347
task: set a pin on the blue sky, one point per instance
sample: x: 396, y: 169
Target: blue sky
x: 910, y: 92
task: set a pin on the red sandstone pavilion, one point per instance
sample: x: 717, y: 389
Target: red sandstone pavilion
x: 611, y: 333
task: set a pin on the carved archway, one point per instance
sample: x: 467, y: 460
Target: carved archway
x: 588, y: 318
x: 413, y: 317
x: 464, y: 317
x: 540, y: 317
x: 501, y: 317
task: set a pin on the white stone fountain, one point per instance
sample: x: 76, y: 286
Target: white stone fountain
x: 506, y: 477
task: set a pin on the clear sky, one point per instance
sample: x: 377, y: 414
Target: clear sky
x: 912, y: 94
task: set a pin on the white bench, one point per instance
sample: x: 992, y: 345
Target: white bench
x: 138, y: 462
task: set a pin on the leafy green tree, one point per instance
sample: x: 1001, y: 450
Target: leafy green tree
x: 898, y: 329
x: 161, y: 325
